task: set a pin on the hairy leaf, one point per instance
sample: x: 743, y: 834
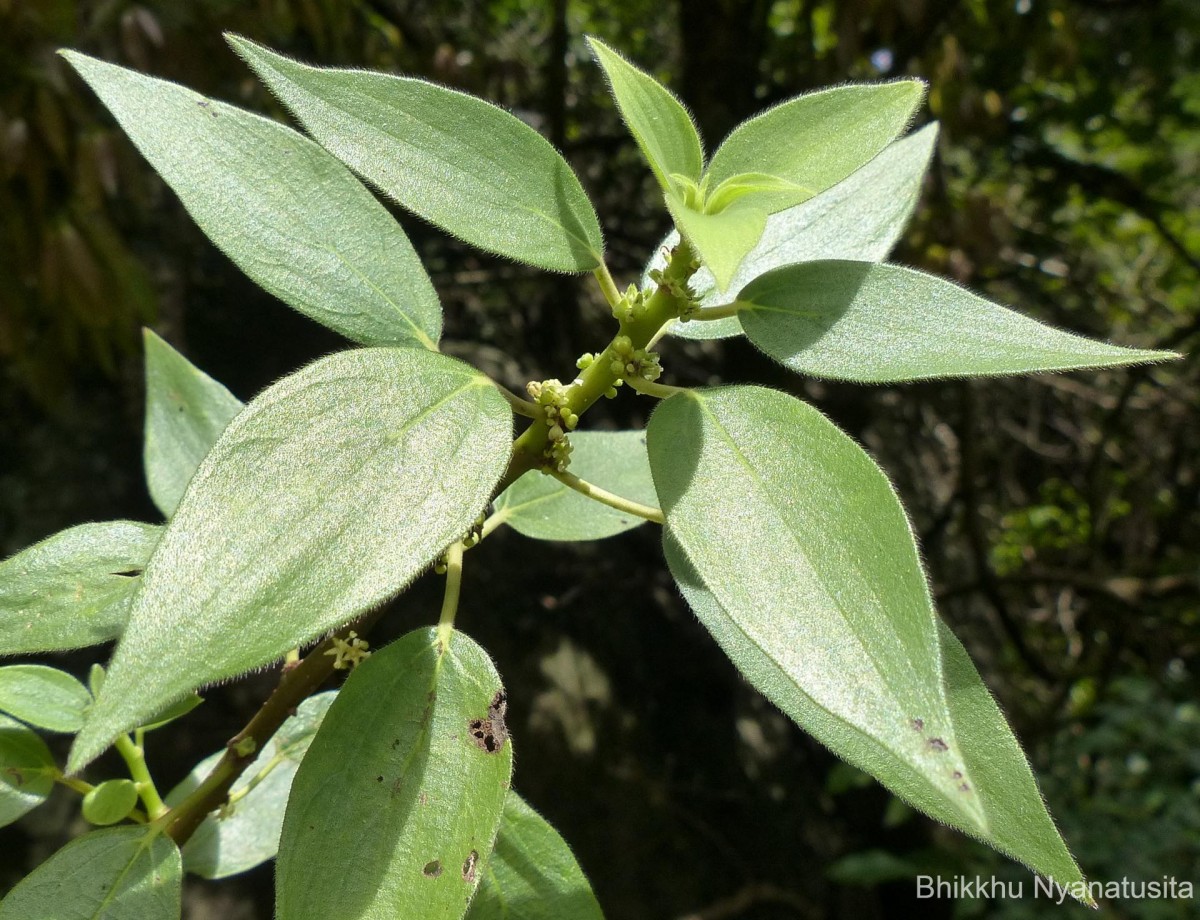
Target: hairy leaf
x: 42, y: 696
x: 820, y: 597
x: 860, y: 218
x: 532, y: 873
x: 246, y: 833
x: 722, y: 240
x: 122, y: 873
x: 321, y: 500
x: 290, y: 215
x: 27, y: 770
x: 657, y: 120
x: 540, y: 506
x: 1017, y: 821
x: 460, y: 162
x: 815, y: 141
x: 406, y: 781
x: 72, y: 589
x: 883, y: 323
x: 186, y: 411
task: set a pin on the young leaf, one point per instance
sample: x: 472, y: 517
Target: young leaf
x: 246, y: 833
x: 120, y: 873
x: 540, y: 506
x: 286, y: 212
x: 321, y: 500
x: 411, y: 824
x: 815, y: 141
x: 860, y: 218
x: 27, y: 770
x: 820, y: 598
x: 44, y: 697
x: 471, y: 168
x: 532, y: 874
x: 883, y: 323
x: 110, y: 802
x: 186, y: 411
x: 657, y: 120
x: 72, y: 589
x: 723, y: 239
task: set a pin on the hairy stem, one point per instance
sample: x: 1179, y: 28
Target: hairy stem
x: 718, y: 312
x: 454, y: 557
x: 650, y: 388
x: 295, y: 685
x: 661, y: 308
x: 608, y: 498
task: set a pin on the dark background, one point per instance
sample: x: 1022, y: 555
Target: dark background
x: 1057, y: 514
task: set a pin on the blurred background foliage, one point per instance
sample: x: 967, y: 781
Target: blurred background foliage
x: 1058, y: 514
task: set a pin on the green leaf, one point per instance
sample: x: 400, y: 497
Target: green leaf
x: 72, y: 589
x: 722, y: 240
x: 860, y: 218
x: 246, y: 833
x: 122, y: 873
x: 45, y: 697
x: 655, y: 117
x: 286, y: 212
x: 815, y: 141
x: 532, y: 874
x: 186, y: 411
x: 1019, y: 824
x: 817, y: 593
x: 411, y: 823
x: 471, y: 168
x: 170, y: 713
x: 110, y: 802
x: 27, y: 770
x: 324, y: 498
x: 540, y: 506
x: 883, y: 323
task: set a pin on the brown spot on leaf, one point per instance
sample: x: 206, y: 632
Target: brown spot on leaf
x: 469, y: 865
x: 965, y: 787
x: 958, y: 774
x: 432, y: 869
x: 423, y: 799
x: 918, y: 724
x: 379, y: 779
x: 937, y: 744
x: 490, y: 734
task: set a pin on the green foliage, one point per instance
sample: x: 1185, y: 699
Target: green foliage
x: 422, y: 722
x: 109, y: 875
x: 856, y: 321
x: 373, y: 439
x: 186, y: 411
x: 72, y: 589
x: 532, y: 873
x: 27, y: 770
x: 458, y: 161
x: 833, y: 623
x: 302, y: 514
x: 43, y: 697
x: 310, y: 234
x: 540, y: 506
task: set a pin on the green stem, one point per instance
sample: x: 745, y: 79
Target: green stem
x: 661, y: 308
x: 608, y: 498
x: 649, y: 388
x: 134, y: 756
x: 607, y: 285
x: 520, y: 406
x: 454, y: 556
x: 721, y: 312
